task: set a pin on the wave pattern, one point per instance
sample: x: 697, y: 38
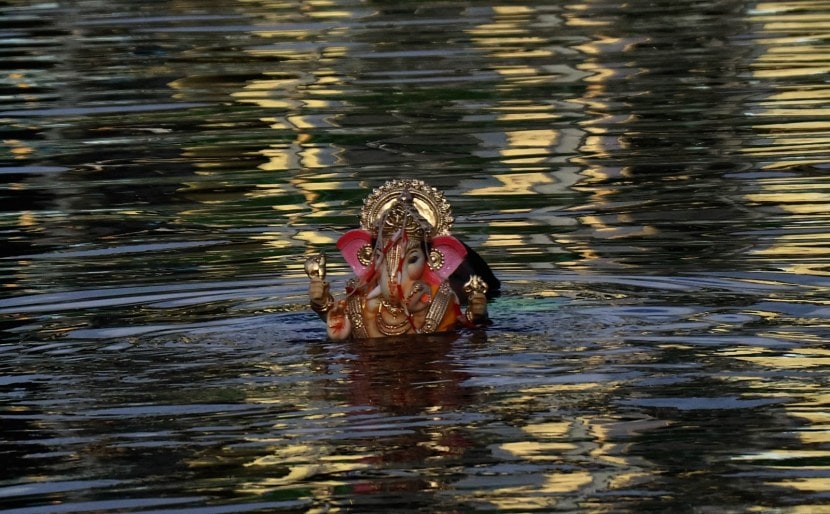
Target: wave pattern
x: 649, y: 179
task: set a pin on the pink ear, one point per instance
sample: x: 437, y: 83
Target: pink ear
x: 351, y: 244
x: 452, y: 253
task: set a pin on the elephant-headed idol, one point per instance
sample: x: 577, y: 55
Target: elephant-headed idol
x: 411, y: 275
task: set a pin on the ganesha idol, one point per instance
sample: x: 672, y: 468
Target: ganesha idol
x: 411, y: 275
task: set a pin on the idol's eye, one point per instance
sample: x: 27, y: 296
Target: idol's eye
x: 414, y: 258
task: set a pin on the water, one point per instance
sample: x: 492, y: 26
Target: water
x: 648, y: 179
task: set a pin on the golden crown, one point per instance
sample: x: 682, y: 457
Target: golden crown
x: 410, y: 204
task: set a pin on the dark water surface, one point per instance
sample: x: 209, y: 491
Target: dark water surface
x: 650, y: 179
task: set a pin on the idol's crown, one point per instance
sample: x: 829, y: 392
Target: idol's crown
x: 403, y: 217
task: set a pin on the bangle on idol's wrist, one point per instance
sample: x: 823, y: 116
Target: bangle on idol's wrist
x: 325, y: 307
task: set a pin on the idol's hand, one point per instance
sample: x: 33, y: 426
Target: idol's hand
x: 476, y: 289
x: 315, y: 266
x: 338, y: 325
x: 318, y: 293
x: 318, y: 289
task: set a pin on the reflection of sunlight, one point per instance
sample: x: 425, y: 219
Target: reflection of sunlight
x: 804, y: 203
x: 269, y: 241
x: 19, y: 149
x: 509, y: 33
x: 306, y: 464
x: 513, y: 27
x: 781, y: 455
x: 536, y: 451
x: 794, y: 45
x: 812, y: 484
x: 795, y: 245
x: 795, y: 197
x: 516, y: 184
x: 534, y: 153
x: 550, y: 444
x: 798, y: 467
x: 795, y: 359
x: 538, y: 496
x: 295, y: 102
x: 316, y: 238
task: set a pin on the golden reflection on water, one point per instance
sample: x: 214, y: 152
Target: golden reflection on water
x: 533, y: 158
x: 529, y: 154
x: 305, y: 463
x: 792, y: 45
x: 510, y: 44
x: 806, y: 205
x: 811, y: 408
x: 795, y: 359
x: 294, y: 104
x: 554, y: 442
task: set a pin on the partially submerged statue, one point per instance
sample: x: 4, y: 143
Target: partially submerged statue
x: 410, y: 273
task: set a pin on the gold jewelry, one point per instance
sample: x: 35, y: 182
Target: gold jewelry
x: 322, y: 309
x: 364, y: 255
x: 436, y: 259
x: 476, y: 284
x: 417, y: 288
x: 471, y: 318
x: 440, y: 302
x: 429, y: 203
x: 389, y: 329
x: 394, y: 311
x: 315, y: 266
x: 392, y: 329
x: 354, y: 310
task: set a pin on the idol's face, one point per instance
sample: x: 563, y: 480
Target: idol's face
x: 400, y: 268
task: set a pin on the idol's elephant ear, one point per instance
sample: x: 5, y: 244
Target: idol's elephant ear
x: 356, y: 247
x: 445, y: 255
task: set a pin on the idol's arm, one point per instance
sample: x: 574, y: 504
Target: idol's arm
x: 318, y: 289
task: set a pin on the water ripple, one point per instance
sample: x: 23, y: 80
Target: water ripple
x: 647, y: 179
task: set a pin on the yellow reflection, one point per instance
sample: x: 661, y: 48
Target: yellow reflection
x: 812, y: 484
x: 790, y: 195
x: 818, y: 96
x: 19, y: 149
x: 792, y: 44
x: 562, y: 440
x: 806, y: 202
x: 783, y: 455
x: 316, y: 238
x: 598, y: 142
x: 566, y: 482
x: 536, y: 451
x: 296, y: 101
x: 795, y: 245
x: 514, y: 184
x: 796, y: 509
x: 304, y: 463
x: 815, y: 436
x: 544, y: 494
x: 796, y: 359
x: 535, y: 158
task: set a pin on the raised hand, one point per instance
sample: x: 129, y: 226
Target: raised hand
x: 318, y: 289
x: 315, y: 266
x: 476, y: 289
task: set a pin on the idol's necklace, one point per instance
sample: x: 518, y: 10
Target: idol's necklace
x: 394, y: 328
